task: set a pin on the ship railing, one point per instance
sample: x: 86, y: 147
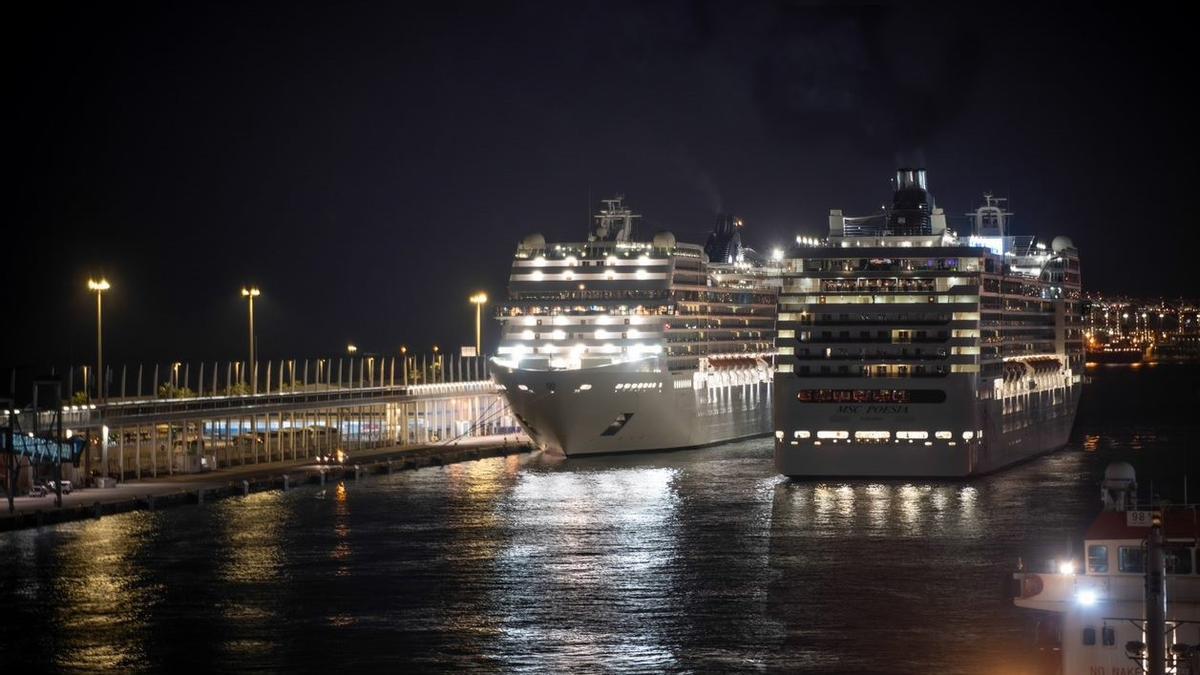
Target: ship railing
x: 1120, y: 587
x: 874, y: 356
x: 875, y: 340
x: 891, y: 321
x: 866, y: 373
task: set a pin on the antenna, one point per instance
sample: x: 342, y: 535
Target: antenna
x: 614, y: 222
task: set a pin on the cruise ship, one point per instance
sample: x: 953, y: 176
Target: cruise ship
x: 908, y: 349
x: 616, y: 344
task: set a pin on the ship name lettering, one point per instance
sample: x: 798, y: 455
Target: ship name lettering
x: 872, y: 409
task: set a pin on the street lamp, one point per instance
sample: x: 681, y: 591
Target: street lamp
x: 99, y: 287
x: 437, y: 363
x: 478, y: 299
x: 252, y: 293
x: 404, y: 363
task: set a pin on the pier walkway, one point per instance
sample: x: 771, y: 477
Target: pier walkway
x: 194, y: 488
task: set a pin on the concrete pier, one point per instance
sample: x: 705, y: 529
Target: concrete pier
x: 187, y: 489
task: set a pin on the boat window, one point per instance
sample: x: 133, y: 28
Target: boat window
x: 1132, y: 560
x: 1108, y: 636
x: 1179, y: 559
x: 1089, y: 636
x: 1098, y: 559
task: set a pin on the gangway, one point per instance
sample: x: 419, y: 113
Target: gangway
x: 40, y: 450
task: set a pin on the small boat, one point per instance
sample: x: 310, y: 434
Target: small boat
x: 1129, y: 601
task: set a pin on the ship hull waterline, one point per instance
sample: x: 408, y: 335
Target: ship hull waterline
x: 615, y: 410
x: 997, y: 441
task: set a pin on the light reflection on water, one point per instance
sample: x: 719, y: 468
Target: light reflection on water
x: 103, y: 595
x: 601, y: 542
x: 695, y: 561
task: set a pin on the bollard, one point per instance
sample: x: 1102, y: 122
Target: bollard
x: 41, y: 519
x: 389, y: 467
x: 96, y: 510
x: 322, y: 477
x: 200, y: 496
x: 245, y: 488
x: 357, y: 472
x: 150, y: 502
x: 285, y: 482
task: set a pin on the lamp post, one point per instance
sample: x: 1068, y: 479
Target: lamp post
x: 404, y: 363
x: 99, y: 287
x: 479, y: 300
x: 437, y: 363
x: 252, y: 293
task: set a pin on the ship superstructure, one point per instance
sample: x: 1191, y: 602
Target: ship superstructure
x: 616, y: 344
x: 906, y: 349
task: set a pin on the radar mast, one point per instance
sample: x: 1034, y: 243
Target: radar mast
x: 614, y: 222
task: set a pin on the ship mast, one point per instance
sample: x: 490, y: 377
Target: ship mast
x: 614, y: 222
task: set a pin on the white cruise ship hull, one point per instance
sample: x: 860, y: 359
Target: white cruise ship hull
x: 627, y: 408
x: 965, y: 437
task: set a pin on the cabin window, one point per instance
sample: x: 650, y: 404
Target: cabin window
x: 1098, y: 559
x: 1179, y: 559
x: 1089, y: 636
x: 1132, y: 560
x: 1108, y: 636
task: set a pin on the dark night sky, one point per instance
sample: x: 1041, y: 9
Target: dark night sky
x: 369, y: 165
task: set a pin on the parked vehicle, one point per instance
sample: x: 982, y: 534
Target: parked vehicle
x: 335, y: 457
x: 66, y: 486
x: 37, y: 491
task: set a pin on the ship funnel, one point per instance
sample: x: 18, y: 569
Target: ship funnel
x: 1118, y: 491
x: 724, y: 243
x: 909, y: 179
x: 912, y: 205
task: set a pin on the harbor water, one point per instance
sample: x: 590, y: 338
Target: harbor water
x: 699, y: 560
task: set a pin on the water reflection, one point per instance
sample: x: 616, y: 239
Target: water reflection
x: 104, y: 594
x: 251, y: 529
x: 341, y: 530
x: 865, y: 582
x: 600, y: 542
x: 252, y: 565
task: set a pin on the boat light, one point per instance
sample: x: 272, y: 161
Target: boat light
x: 1066, y: 567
